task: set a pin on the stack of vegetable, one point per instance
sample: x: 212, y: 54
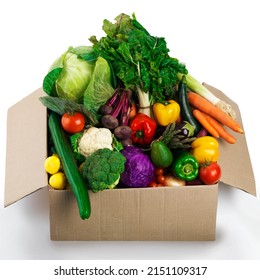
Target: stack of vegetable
x: 124, y: 113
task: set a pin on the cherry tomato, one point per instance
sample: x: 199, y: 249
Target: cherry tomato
x: 159, y: 171
x: 73, y: 123
x: 152, y: 184
x: 160, y: 179
x: 210, y: 173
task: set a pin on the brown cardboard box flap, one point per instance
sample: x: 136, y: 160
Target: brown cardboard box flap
x: 26, y: 148
x: 234, y: 159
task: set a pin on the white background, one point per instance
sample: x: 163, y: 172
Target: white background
x: 218, y: 41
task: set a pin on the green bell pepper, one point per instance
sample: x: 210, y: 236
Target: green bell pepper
x: 185, y: 167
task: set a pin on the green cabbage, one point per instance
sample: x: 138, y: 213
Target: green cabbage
x: 74, y: 78
x: 99, y: 89
x: 80, y: 75
x: 75, y: 75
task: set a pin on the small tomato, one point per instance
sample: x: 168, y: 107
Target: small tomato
x: 152, y: 184
x: 160, y: 179
x: 73, y: 123
x: 210, y: 173
x: 159, y: 171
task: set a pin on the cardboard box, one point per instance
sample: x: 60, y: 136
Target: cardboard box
x: 167, y: 213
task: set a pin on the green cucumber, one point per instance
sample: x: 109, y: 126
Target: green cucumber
x: 65, y: 153
x: 186, y: 112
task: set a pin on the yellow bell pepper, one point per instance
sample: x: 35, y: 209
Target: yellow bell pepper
x: 167, y: 112
x: 205, y: 149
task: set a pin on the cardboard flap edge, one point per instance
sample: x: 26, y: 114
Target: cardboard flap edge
x: 26, y: 148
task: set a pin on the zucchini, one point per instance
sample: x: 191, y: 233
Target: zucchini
x: 186, y: 112
x: 65, y: 153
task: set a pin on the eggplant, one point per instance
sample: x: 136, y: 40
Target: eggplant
x: 184, y: 129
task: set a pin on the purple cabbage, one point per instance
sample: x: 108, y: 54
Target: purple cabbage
x: 139, y: 170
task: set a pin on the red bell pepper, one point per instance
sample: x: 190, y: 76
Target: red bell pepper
x: 143, y: 129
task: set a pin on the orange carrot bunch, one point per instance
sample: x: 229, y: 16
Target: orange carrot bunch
x: 213, y: 119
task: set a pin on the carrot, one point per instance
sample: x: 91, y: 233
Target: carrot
x: 205, y: 106
x: 133, y: 110
x: 221, y: 130
x: 200, y: 116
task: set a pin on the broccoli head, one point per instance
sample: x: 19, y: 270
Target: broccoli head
x: 102, y: 169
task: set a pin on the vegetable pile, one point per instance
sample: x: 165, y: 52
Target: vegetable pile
x: 123, y: 113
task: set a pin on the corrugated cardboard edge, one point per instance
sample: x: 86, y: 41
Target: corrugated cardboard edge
x: 234, y: 159
x: 26, y: 137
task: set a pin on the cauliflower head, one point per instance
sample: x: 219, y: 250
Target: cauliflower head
x: 94, y: 139
x: 102, y: 169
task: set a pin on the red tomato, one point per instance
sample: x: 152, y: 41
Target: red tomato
x: 159, y: 171
x: 210, y: 174
x: 73, y: 123
x: 152, y: 184
x: 160, y: 179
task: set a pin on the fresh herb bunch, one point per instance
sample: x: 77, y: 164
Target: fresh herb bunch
x: 139, y: 60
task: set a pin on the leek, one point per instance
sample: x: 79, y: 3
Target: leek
x: 200, y: 89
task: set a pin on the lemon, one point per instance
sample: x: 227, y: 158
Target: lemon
x: 58, y: 181
x: 52, y: 164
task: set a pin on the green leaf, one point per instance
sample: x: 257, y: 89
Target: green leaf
x: 109, y: 28
x: 124, y: 50
x: 99, y: 89
x: 74, y: 139
x: 50, y: 79
x: 85, y: 52
x: 62, y: 105
x: 91, y: 56
x: 139, y: 59
x: 117, y: 146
